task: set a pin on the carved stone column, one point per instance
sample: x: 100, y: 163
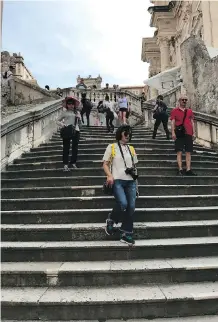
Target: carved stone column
x: 163, y: 43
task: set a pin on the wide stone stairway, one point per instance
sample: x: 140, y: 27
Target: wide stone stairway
x: 58, y: 263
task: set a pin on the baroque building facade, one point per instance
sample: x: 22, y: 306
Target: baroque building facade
x: 175, y: 21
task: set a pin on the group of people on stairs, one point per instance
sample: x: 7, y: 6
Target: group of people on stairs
x: 112, y: 112
x: 120, y: 158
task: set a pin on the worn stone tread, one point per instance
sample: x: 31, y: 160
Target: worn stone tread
x: 206, y: 318
x: 94, y: 226
x: 110, y: 197
x: 194, y: 263
x: 51, y: 211
x: 113, y: 244
x: 98, y: 295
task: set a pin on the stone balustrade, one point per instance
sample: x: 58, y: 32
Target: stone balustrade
x: 22, y: 131
x: 206, y: 126
x: 96, y: 95
x: 28, y: 129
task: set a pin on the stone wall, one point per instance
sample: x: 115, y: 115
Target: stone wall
x: 200, y: 76
x: 27, y: 130
x: 17, y: 92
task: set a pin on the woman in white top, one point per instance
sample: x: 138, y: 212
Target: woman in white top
x: 123, y: 108
x: 119, y: 166
x: 70, y: 123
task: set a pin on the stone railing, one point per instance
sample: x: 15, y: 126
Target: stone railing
x: 206, y: 126
x: 16, y: 92
x: 96, y: 95
x: 26, y: 130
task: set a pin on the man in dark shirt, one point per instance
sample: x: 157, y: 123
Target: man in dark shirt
x: 161, y: 116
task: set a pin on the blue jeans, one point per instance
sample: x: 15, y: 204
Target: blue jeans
x: 125, y: 195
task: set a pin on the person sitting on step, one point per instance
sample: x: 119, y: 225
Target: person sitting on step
x: 119, y: 166
x: 70, y: 123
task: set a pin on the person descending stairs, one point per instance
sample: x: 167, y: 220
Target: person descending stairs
x: 59, y: 264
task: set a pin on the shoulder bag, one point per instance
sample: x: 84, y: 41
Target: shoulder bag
x: 67, y: 132
x: 180, y: 129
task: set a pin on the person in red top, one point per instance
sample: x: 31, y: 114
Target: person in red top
x: 185, y: 142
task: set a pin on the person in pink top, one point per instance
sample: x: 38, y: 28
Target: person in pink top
x: 183, y: 134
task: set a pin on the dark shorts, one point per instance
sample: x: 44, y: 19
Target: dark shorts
x: 123, y: 109
x: 184, y: 144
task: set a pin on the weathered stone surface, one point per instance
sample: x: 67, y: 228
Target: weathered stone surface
x: 200, y: 75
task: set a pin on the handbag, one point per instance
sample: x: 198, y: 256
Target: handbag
x: 180, y: 129
x: 68, y: 132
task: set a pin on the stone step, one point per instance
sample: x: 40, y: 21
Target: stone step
x: 97, y: 156
x: 138, y: 146
x: 68, y: 251
x: 95, y: 231
x: 131, y: 301
x: 98, y: 164
x: 107, y: 273
x: 50, y: 146
x: 101, y: 139
x: 164, y: 171
x: 69, y: 180
x: 206, y: 318
x: 89, y: 191
x: 107, y: 201
x: 70, y: 216
x: 87, y: 150
x: 89, y: 144
x: 104, y: 132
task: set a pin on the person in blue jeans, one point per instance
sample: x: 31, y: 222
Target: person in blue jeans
x: 119, y: 166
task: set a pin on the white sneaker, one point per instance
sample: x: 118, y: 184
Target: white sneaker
x: 74, y: 166
x: 66, y: 169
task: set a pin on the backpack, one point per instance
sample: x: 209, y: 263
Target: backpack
x: 113, y: 151
x: 87, y: 104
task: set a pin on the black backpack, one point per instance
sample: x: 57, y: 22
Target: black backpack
x: 87, y: 105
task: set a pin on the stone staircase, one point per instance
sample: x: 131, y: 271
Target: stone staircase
x: 58, y: 264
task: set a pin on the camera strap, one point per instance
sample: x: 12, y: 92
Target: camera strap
x: 121, y: 151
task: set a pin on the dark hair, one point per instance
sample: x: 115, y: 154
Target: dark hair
x: 69, y: 101
x: 160, y: 97
x: 83, y: 95
x: 107, y: 98
x: 121, y: 129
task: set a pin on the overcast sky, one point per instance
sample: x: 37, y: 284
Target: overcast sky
x: 60, y: 40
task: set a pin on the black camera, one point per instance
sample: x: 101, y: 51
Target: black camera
x: 132, y: 172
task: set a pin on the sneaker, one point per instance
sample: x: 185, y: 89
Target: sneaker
x: 190, y: 173
x: 109, y: 229
x: 66, y: 169
x: 127, y: 239
x: 74, y: 166
x: 180, y: 172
